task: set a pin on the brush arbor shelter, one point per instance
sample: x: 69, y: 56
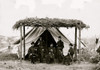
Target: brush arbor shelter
x: 49, y: 23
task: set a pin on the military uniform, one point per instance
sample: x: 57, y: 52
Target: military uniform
x: 71, y: 51
x: 60, y: 46
x: 98, y: 50
x: 41, y: 50
x: 51, y: 55
x: 67, y: 59
x: 33, y: 54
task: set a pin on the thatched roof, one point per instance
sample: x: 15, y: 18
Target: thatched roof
x: 49, y: 22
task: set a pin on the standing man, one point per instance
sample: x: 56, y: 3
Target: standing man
x: 60, y: 46
x: 41, y: 45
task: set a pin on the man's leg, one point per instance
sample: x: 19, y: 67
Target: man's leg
x: 31, y: 57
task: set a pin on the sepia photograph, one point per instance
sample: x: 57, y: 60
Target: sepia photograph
x: 49, y: 35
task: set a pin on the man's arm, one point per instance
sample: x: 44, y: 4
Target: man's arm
x: 62, y: 44
x: 29, y: 51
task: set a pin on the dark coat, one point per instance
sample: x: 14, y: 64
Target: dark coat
x: 52, y: 49
x: 60, y: 44
x: 98, y: 50
x: 71, y: 51
x: 31, y: 50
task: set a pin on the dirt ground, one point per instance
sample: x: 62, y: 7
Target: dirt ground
x: 26, y: 65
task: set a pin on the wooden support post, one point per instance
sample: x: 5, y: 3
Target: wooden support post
x: 24, y: 41
x: 20, y: 42
x: 79, y: 44
x: 75, y: 46
x: 80, y: 41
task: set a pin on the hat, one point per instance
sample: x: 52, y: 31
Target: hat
x: 59, y: 36
x: 71, y: 44
x: 32, y: 42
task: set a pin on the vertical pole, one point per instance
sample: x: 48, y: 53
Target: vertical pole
x: 24, y: 40
x: 20, y: 42
x: 79, y: 41
x: 75, y: 47
x: 79, y: 44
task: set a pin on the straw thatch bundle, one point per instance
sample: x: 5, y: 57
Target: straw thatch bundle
x: 49, y: 22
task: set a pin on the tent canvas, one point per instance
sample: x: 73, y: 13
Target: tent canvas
x: 36, y: 32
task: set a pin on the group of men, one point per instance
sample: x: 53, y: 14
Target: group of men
x: 46, y: 54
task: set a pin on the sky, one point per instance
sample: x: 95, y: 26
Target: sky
x: 87, y: 11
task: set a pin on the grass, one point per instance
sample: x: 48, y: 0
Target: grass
x: 6, y: 63
x: 8, y: 56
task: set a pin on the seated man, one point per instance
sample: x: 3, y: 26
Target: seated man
x: 71, y: 50
x: 51, y: 54
x: 69, y: 57
x: 32, y: 53
x: 98, y: 50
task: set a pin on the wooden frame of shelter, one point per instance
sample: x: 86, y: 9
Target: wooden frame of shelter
x: 49, y: 22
